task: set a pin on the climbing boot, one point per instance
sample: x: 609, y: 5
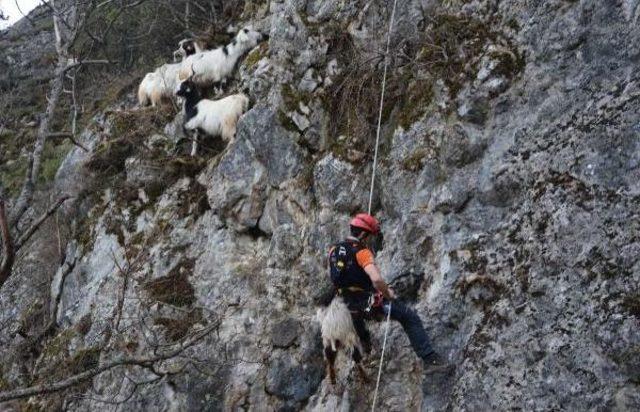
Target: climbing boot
x: 434, y: 363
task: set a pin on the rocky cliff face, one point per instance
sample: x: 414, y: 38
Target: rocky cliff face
x: 508, y: 192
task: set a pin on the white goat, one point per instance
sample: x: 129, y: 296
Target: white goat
x: 159, y: 84
x: 187, y: 47
x: 213, y: 66
x: 338, y: 332
x: 213, y: 117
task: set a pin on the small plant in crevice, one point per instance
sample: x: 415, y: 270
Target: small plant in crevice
x: 453, y: 46
x: 59, y: 359
x: 174, y: 288
x: 450, y: 49
x: 193, y: 202
x: 128, y: 132
x: 249, y: 271
x: 631, y: 304
x: 176, y: 328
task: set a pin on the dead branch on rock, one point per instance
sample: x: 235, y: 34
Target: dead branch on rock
x: 24, y: 238
x: 79, y: 378
x: 126, y: 381
x: 9, y: 247
x: 52, y: 324
x: 8, y: 254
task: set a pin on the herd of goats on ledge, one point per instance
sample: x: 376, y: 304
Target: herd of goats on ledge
x: 199, y: 69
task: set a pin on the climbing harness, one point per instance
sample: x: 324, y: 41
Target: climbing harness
x: 375, y: 301
x: 373, y: 178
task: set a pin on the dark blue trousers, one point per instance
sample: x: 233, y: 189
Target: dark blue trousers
x: 408, y: 319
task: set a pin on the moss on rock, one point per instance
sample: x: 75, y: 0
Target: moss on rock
x: 174, y: 289
x: 4, y: 384
x: 52, y: 159
x: 417, y: 98
x: 129, y: 130
x: 631, y: 303
x: 413, y: 162
x: 256, y: 55
x: 13, y: 163
x: 176, y: 329
x: 454, y: 46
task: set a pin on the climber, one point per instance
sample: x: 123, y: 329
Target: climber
x: 357, y: 279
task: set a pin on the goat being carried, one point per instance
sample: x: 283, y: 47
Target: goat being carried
x: 338, y: 332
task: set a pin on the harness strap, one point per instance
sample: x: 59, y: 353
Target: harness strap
x: 342, y: 291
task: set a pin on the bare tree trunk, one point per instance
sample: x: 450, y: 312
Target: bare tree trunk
x: 68, y: 21
x: 28, y: 188
x: 7, y: 243
x: 62, y: 48
x: 11, y: 247
x: 25, y: 198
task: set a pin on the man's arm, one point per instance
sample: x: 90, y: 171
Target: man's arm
x: 378, y: 282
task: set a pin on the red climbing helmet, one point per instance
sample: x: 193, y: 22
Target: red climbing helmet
x: 367, y: 222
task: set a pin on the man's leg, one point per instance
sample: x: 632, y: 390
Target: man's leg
x: 357, y: 358
x: 362, y: 331
x: 412, y: 326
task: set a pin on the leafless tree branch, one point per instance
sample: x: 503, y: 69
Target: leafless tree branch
x: 126, y: 361
x: 26, y: 16
x: 70, y: 20
x: 7, y: 243
x: 70, y: 136
x: 9, y: 247
x: 58, y: 296
x: 24, y: 238
x: 85, y: 62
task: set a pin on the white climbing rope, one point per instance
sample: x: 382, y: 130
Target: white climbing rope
x: 384, y: 345
x: 384, y: 84
x: 373, y: 179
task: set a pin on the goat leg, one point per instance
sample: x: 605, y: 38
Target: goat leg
x: 330, y: 355
x: 194, y: 144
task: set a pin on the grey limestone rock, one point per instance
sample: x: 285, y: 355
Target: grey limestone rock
x: 285, y: 333
x: 508, y: 200
x: 338, y: 185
